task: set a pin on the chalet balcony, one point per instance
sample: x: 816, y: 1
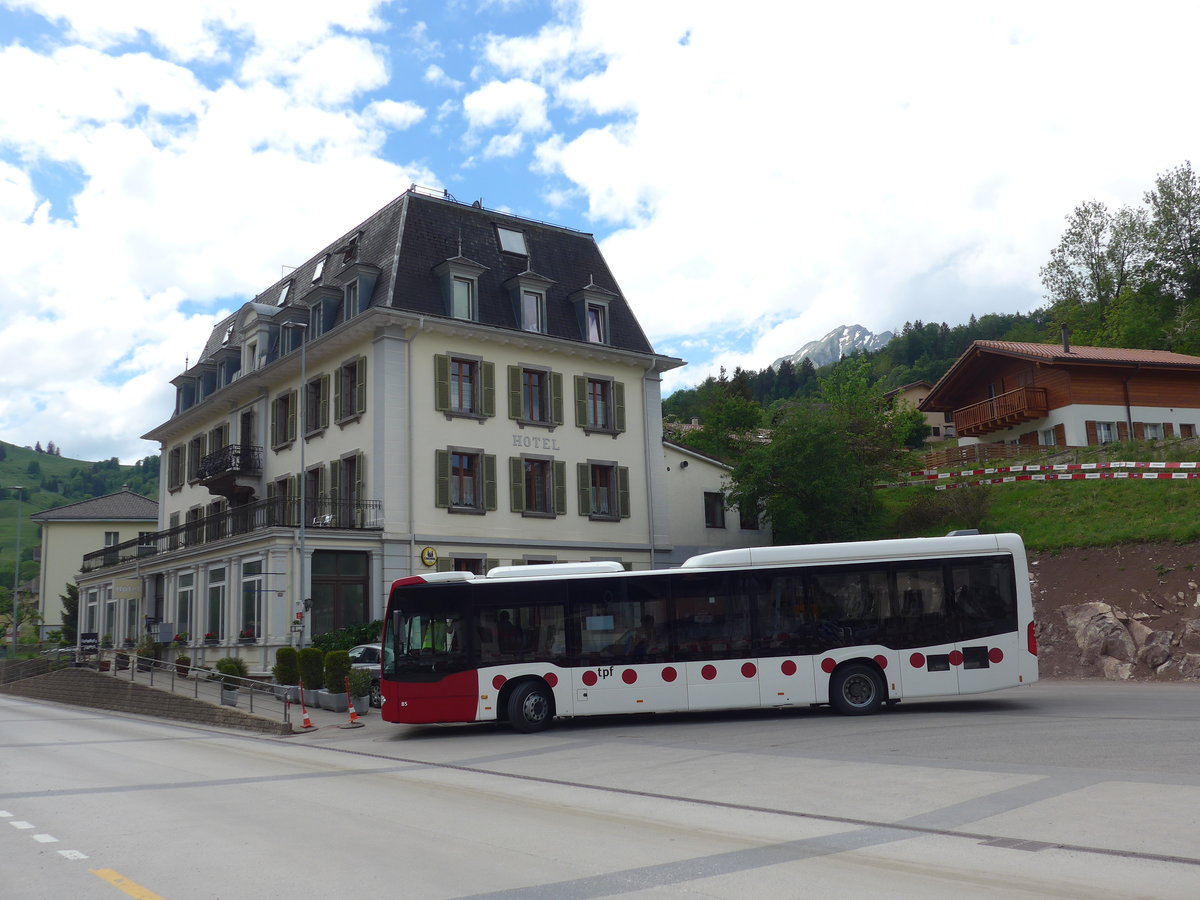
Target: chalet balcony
x: 232, y: 470
x: 320, y: 513
x: 1002, y: 411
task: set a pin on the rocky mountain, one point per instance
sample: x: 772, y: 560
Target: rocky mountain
x: 836, y: 344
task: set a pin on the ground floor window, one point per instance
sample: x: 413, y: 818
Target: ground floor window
x: 250, y: 626
x: 214, y: 619
x: 340, y: 590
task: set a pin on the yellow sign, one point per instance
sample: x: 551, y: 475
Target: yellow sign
x: 429, y: 556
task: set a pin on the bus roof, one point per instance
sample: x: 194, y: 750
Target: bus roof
x: 842, y: 552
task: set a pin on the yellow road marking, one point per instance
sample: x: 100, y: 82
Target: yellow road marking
x: 121, y: 883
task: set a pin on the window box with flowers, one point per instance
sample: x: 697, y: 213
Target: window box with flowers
x: 247, y: 636
x: 211, y: 638
x: 130, y: 642
x: 181, y: 638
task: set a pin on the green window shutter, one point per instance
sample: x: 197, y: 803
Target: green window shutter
x: 275, y: 423
x: 441, y: 487
x: 323, y: 404
x: 489, y: 564
x: 489, y: 481
x: 441, y: 383
x: 291, y: 419
x: 580, y: 401
x: 335, y: 480
x: 487, y: 373
x: 360, y: 476
x: 582, y: 472
x: 623, y: 491
x: 271, y: 490
x: 514, y: 392
x: 556, y: 397
x: 360, y: 385
x: 516, y: 474
x: 338, y: 390
x: 560, y: 487
x: 445, y: 564
x: 618, y: 395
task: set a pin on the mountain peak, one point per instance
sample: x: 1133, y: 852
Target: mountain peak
x: 837, y: 343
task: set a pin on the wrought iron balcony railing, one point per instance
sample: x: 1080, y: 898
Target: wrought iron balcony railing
x: 285, y: 512
x: 234, y: 459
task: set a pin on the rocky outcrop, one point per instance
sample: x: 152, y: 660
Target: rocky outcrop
x: 1121, y: 646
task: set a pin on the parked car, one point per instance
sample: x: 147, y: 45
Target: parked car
x: 369, y: 656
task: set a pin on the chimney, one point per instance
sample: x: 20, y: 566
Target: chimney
x: 1065, y: 331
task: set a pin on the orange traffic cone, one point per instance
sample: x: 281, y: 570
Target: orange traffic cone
x: 308, y: 725
x: 353, y: 723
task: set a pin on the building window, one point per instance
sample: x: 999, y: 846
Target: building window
x: 1046, y: 437
x: 597, y: 323
x: 111, y: 538
x: 214, y: 613
x: 463, y: 301
x: 175, y: 468
x: 1106, y: 432
x: 316, y: 405
x: 538, y: 485
x: 533, y: 311
x: 466, y: 480
x: 464, y: 386
x: 351, y: 300
x: 319, y: 269
x: 603, y: 490
x: 599, y: 404
x: 218, y: 438
x: 512, y: 241
x: 183, y: 604
x: 1187, y: 430
x: 1153, y: 431
x: 196, y: 451
x: 351, y: 398
x: 535, y: 396
x: 714, y: 509
x: 283, y: 420
x: 250, y: 624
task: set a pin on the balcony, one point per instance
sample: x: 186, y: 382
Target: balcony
x: 1002, y: 411
x: 320, y: 513
x: 231, y: 471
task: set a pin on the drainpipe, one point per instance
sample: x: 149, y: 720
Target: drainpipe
x: 1128, y: 405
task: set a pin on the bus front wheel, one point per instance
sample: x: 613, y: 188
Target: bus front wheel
x: 855, y: 690
x: 530, y: 707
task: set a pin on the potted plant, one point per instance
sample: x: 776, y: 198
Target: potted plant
x: 130, y: 643
x: 312, y: 672
x: 337, y: 668
x: 210, y: 637
x: 147, y: 652
x: 106, y: 641
x: 286, y: 673
x: 182, y: 664
x: 181, y: 639
x: 360, y: 690
x: 246, y: 636
x: 231, y: 670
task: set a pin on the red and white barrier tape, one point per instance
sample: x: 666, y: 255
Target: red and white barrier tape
x: 1066, y: 472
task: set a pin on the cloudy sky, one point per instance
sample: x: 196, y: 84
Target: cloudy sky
x: 757, y: 174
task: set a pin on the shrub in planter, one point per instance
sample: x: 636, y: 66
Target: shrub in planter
x: 360, y: 690
x: 287, y: 666
x: 311, y: 663
x: 147, y: 650
x: 231, y: 668
x: 337, y: 668
x: 182, y: 662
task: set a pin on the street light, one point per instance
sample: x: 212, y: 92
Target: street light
x: 303, y: 395
x: 17, y: 569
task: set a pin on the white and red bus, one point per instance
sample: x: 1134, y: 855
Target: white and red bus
x: 854, y: 625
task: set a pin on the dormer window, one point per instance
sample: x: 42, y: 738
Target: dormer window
x: 528, y: 293
x: 351, y: 305
x: 283, y: 293
x: 459, y: 280
x: 592, y: 311
x: 597, y: 323
x: 319, y: 269
x: 511, y: 241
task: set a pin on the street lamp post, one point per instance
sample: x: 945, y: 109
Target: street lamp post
x: 302, y: 394
x: 16, y: 570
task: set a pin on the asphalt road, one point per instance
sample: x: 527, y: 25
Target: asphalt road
x: 1055, y: 790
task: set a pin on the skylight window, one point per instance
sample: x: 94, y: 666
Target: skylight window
x: 283, y: 294
x: 320, y: 268
x: 512, y: 241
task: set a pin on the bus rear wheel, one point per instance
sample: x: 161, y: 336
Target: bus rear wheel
x: 530, y: 707
x: 855, y: 690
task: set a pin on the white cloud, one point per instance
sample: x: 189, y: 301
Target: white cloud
x: 502, y: 145
x: 518, y: 102
x: 437, y: 76
x: 396, y: 115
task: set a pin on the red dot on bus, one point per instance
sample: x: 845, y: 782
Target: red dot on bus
x: 996, y: 655
x: 589, y: 678
x: 708, y: 673
x: 669, y: 674
x: 788, y: 667
x: 551, y: 679
x: 828, y: 665
x: 749, y: 670
x: 881, y: 661
x: 498, y: 682
x: 629, y: 676
x: 917, y: 660
x: 956, y: 657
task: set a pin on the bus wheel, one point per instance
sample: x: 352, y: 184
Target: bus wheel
x: 855, y: 690
x: 530, y: 707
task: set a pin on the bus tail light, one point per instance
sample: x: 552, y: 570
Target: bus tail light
x: 1032, y: 637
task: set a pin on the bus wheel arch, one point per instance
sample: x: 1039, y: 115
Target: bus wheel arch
x: 857, y: 688
x: 528, y: 704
